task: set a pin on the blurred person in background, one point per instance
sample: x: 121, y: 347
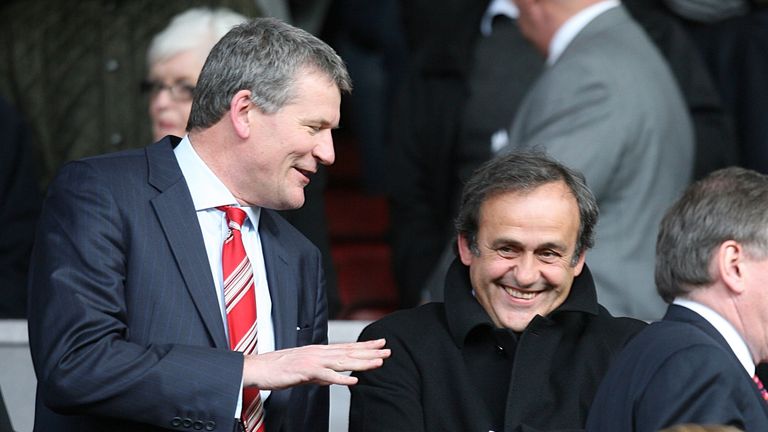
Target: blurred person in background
x: 175, y: 58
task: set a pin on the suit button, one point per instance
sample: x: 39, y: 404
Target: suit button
x: 187, y: 422
x: 209, y: 426
x: 197, y: 425
x: 176, y: 422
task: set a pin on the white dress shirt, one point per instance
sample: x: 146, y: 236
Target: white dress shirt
x: 734, y: 339
x: 570, y: 28
x: 208, y: 192
x: 497, y: 7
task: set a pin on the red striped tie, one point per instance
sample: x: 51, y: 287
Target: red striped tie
x: 240, y: 297
x: 763, y: 392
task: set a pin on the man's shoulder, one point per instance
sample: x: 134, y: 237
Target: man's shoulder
x: 611, y: 36
x: 615, y: 330
x: 662, y: 341
x: 676, y: 334
x: 134, y: 158
x: 410, y: 323
x: 123, y: 167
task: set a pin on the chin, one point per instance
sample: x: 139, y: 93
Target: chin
x: 296, y: 201
x: 287, y: 205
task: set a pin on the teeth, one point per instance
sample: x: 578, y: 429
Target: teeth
x: 520, y: 294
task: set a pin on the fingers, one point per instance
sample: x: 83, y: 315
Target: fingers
x: 358, y: 356
x: 371, y: 344
x: 319, y: 364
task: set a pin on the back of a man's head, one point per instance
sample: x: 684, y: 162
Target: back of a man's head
x: 263, y: 56
x: 729, y: 204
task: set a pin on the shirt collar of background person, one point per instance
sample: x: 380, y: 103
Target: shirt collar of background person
x: 568, y: 31
x: 496, y: 8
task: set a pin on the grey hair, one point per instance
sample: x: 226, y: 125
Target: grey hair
x: 729, y: 204
x: 196, y: 29
x: 264, y: 56
x: 524, y: 172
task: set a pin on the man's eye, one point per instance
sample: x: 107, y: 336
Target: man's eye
x: 549, y: 255
x: 506, y: 252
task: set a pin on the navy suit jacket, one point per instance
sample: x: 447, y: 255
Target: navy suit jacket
x: 124, y: 323
x: 678, y: 370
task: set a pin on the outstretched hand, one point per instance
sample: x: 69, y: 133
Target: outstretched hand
x: 313, y: 364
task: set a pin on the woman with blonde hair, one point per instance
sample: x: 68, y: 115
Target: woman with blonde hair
x: 175, y: 58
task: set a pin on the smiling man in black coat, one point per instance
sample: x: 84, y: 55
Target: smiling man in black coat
x: 520, y: 343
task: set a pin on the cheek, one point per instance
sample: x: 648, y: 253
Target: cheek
x: 185, y: 109
x: 489, y: 269
x: 154, y: 107
x: 558, y: 276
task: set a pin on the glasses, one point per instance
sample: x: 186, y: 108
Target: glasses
x: 180, y: 91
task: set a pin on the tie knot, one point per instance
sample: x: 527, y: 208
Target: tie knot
x: 235, y: 216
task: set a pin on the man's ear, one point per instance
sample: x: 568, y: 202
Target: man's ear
x: 465, y: 253
x: 580, y: 263
x: 729, y: 263
x: 240, y: 108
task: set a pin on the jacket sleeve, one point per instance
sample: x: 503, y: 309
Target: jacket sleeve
x: 84, y: 357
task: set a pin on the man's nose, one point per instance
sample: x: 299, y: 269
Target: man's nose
x: 526, y: 270
x: 324, y: 151
x: 161, y: 99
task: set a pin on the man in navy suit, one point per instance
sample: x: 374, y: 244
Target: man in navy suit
x: 126, y: 309
x: 697, y: 364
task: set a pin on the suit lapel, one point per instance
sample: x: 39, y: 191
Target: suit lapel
x: 283, y: 289
x: 176, y: 215
x: 283, y: 286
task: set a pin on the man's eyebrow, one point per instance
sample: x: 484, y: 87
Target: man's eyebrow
x: 512, y: 242
x: 322, y: 122
x: 554, y: 246
x: 506, y: 241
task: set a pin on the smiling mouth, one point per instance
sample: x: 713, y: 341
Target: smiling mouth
x: 306, y: 173
x: 522, y: 295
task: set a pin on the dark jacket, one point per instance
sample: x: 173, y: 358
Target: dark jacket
x: 125, y: 329
x: 678, y: 370
x: 425, y: 385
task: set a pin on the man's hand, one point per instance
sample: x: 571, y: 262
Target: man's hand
x: 313, y: 364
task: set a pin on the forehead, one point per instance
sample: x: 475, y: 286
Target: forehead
x: 315, y: 95
x: 185, y: 64
x: 547, y: 209
x: 310, y: 80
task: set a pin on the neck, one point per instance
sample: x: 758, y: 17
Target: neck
x: 728, y: 305
x: 217, y: 147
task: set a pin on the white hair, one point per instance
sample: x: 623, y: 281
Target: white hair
x: 195, y: 29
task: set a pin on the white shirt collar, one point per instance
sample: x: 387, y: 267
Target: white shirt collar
x: 497, y: 7
x: 207, y: 190
x: 725, y: 328
x: 565, y: 34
